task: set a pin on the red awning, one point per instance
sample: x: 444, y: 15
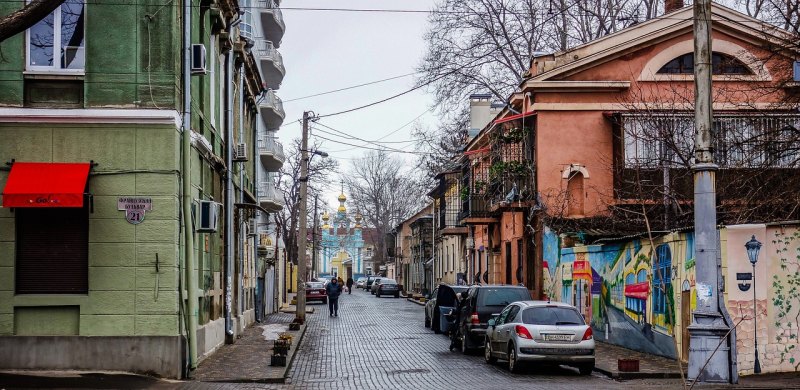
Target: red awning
x: 513, y: 117
x: 637, y: 290
x: 46, y: 185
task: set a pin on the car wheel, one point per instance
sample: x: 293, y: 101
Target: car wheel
x: 397, y: 295
x: 377, y: 295
x: 586, y: 369
x: 325, y: 301
x: 487, y: 353
x: 513, y: 364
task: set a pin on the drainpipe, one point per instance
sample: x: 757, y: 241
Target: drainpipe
x: 229, y: 189
x: 240, y: 247
x: 188, y: 231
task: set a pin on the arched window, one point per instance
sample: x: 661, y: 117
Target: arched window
x: 720, y: 64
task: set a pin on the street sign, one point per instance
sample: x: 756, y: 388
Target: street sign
x: 134, y: 208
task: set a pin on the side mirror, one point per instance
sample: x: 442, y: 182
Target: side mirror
x: 491, y: 323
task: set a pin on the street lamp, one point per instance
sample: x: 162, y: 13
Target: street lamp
x: 753, y: 247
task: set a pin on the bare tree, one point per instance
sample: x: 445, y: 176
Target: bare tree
x: 27, y: 16
x: 289, y: 186
x: 441, y: 145
x: 384, y: 193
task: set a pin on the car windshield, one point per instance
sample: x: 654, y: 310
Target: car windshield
x: 315, y: 285
x: 552, y: 315
x: 502, y: 296
x: 362, y: 279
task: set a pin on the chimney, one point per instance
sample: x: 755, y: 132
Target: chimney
x: 480, y: 112
x: 672, y: 5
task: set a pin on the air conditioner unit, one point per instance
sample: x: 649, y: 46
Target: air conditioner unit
x: 201, y: 144
x: 240, y: 152
x: 252, y: 227
x: 208, y: 216
x: 199, y: 59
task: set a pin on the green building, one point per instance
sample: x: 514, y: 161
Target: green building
x: 131, y: 240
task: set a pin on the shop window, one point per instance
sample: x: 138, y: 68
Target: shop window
x: 52, y: 251
x: 57, y: 42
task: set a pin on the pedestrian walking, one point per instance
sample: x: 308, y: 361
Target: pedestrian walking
x: 333, y: 290
x: 349, y: 284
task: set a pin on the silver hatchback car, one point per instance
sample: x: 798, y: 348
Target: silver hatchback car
x: 540, y: 331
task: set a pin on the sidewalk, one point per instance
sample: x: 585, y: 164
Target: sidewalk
x: 248, y: 359
x: 650, y: 366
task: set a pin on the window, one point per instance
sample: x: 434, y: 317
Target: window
x: 662, y: 282
x: 57, y: 41
x: 720, y: 64
x: 552, y: 315
x: 52, y: 251
x: 740, y: 141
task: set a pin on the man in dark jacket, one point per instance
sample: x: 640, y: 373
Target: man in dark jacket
x: 349, y: 284
x: 333, y: 289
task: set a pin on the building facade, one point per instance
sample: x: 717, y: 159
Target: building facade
x: 154, y: 261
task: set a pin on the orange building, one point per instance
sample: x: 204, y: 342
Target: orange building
x: 586, y: 122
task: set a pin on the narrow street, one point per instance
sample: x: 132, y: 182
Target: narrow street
x: 381, y: 343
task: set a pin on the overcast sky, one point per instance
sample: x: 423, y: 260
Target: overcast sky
x: 328, y: 50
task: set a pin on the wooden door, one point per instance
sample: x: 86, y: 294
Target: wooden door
x: 686, y: 320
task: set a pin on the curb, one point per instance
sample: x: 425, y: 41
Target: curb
x: 294, y: 353
x: 636, y: 375
x: 414, y: 301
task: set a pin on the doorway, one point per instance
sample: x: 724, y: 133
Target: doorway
x: 686, y: 320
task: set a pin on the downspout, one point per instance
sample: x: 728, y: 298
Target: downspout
x: 229, y: 189
x: 188, y: 231
x: 240, y: 247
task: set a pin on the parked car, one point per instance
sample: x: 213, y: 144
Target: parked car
x: 387, y: 287
x: 370, y: 281
x: 441, y: 300
x: 478, y: 307
x: 374, y: 286
x: 361, y: 282
x: 542, y: 332
x: 315, y: 291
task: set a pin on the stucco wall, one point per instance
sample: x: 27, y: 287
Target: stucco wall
x: 126, y: 295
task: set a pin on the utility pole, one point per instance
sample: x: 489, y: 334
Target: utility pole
x: 314, y: 240
x: 302, y: 239
x: 708, y: 331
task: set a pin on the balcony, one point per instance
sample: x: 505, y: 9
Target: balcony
x: 272, y: 20
x: 271, y: 109
x: 269, y: 198
x: 271, y: 63
x: 271, y: 153
x: 475, y: 210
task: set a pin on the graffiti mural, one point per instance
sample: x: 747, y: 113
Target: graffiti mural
x: 628, y: 292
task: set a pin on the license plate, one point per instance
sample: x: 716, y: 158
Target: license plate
x: 558, y: 337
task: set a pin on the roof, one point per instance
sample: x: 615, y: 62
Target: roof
x: 565, y: 63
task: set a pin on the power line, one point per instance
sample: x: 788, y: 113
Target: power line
x: 351, y: 87
x: 368, y: 148
x: 393, y: 131
x: 349, y: 136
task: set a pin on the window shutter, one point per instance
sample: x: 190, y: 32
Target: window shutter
x: 52, y: 251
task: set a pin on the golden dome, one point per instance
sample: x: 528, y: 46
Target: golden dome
x: 325, y: 216
x: 342, y: 209
x: 326, y: 226
x: 358, y: 217
x: 342, y: 198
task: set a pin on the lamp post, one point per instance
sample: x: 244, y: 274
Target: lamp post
x: 753, y: 247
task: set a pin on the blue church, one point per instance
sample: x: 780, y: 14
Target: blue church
x: 342, y: 246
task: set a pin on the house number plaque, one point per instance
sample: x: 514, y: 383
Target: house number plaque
x: 134, y: 208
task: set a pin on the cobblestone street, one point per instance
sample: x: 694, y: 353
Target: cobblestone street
x: 381, y: 343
